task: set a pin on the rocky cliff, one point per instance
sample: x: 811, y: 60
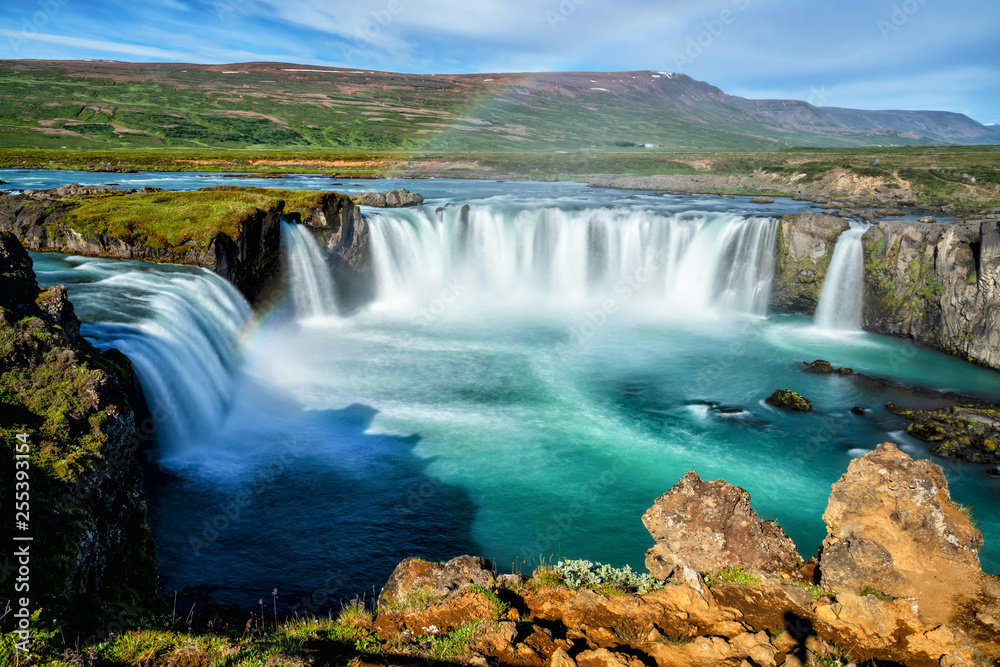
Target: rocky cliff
x: 91, y: 549
x: 936, y: 284
x: 897, y: 581
x: 802, y: 256
x: 232, y: 231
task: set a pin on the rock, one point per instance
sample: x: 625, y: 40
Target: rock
x: 560, y: 658
x: 788, y: 399
x: 936, y: 284
x: 821, y: 366
x: 970, y: 432
x: 92, y: 547
x: 804, y: 249
x: 762, y: 200
x: 859, y: 411
x: 893, y: 528
x: 439, y: 578
x: 708, y: 526
x: 398, y: 198
x: 18, y: 288
x: 927, y: 220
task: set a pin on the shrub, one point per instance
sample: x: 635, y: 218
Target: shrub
x: 577, y: 573
x: 731, y: 575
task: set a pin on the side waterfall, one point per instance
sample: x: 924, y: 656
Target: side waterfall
x: 181, y: 332
x: 841, y: 299
x: 309, y: 281
x: 688, y: 262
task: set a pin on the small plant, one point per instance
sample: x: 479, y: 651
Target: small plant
x: 815, y: 592
x: 775, y: 635
x: 416, y: 599
x: 545, y: 577
x: 674, y: 640
x: 970, y: 515
x: 604, y: 578
x: 355, y: 613
x: 629, y: 630
x: 439, y: 646
x: 731, y: 575
x: 499, y: 606
x: 871, y: 590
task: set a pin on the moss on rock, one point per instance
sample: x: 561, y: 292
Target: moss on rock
x: 789, y: 400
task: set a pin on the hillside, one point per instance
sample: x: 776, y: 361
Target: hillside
x: 102, y: 104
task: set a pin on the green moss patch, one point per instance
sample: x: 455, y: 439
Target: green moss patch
x: 176, y: 220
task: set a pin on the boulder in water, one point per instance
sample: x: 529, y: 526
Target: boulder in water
x: 789, y: 400
x: 399, y: 198
x: 825, y: 367
x: 762, y: 200
x: 859, y: 411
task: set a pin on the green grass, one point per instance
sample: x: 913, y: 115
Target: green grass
x: 173, y: 219
x: 731, y: 575
x: 871, y: 590
x: 500, y: 608
x: 815, y: 592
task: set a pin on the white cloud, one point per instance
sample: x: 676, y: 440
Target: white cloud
x: 93, y: 44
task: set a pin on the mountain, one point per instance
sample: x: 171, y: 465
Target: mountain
x: 109, y: 103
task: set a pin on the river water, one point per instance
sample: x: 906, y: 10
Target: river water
x: 531, y: 376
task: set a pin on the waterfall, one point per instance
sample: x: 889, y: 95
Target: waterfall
x: 840, y: 301
x: 309, y: 280
x: 686, y: 262
x: 181, y: 331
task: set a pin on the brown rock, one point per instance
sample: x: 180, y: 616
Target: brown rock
x: 709, y: 526
x: 893, y: 527
x: 438, y: 578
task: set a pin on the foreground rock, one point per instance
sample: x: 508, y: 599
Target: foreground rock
x: 91, y: 545
x: 893, y: 529
x: 892, y: 525
x: 399, y: 198
x: 789, y: 400
x: 804, y: 249
x: 709, y: 526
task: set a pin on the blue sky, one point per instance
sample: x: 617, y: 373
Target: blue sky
x: 868, y: 54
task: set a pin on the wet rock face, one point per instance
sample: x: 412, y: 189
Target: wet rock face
x: 709, y: 526
x: 892, y: 526
x: 803, y: 252
x: 789, y: 400
x: 937, y: 284
x: 970, y: 432
x: 823, y: 367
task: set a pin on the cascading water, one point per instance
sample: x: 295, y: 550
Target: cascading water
x: 180, y: 329
x: 309, y: 281
x: 689, y: 262
x: 841, y: 299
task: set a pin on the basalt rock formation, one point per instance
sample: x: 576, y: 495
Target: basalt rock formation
x: 937, y: 284
x: 803, y: 253
x: 91, y: 544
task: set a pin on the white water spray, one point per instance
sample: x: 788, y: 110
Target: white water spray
x: 309, y: 281
x: 840, y: 302
x: 182, y: 338
x: 686, y: 263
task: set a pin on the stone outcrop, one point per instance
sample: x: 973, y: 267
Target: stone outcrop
x: 399, y: 198
x: 250, y: 259
x: 436, y: 579
x: 709, y: 526
x: 803, y: 252
x: 91, y: 542
x: 942, y: 609
x: 937, y: 284
x: 893, y: 529
x: 789, y: 400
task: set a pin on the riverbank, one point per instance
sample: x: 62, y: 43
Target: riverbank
x: 961, y: 180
